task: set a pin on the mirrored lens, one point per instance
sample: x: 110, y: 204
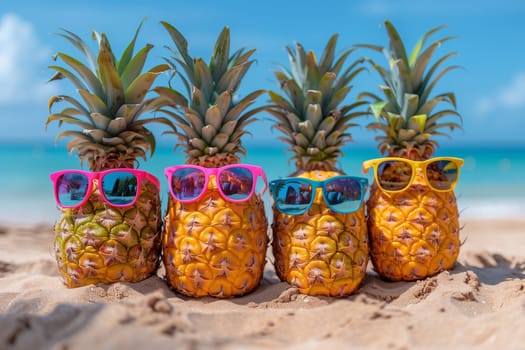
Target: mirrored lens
x: 236, y: 183
x: 394, y: 175
x: 293, y: 197
x: 120, y: 187
x: 71, y: 189
x: 187, y: 184
x: 442, y: 174
x: 343, y: 195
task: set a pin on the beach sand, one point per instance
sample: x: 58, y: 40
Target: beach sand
x: 480, y: 303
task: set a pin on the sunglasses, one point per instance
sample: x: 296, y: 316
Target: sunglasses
x: 118, y: 187
x: 235, y: 182
x: 397, y: 174
x: 295, y: 195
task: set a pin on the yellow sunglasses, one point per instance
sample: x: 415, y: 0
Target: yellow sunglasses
x: 397, y: 174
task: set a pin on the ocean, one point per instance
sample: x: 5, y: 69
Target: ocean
x: 491, y: 184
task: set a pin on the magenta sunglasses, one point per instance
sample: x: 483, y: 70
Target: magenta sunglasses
x: 235, y: 182
x: 118, y: 187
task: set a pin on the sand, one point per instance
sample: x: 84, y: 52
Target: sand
x: 479, y: 304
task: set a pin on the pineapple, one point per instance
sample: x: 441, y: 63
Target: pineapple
x: 97, y: 243
x: 320, y: 252
x: 414, y: 233
x: 213, y: 247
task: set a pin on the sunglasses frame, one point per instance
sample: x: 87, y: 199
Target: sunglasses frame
x: 363, y: 184
x: 255, y: 170
x: 99, y: 175
x: 374, y: 163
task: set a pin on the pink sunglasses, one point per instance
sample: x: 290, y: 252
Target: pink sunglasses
x: 235, y: 182
x: 119, y: 187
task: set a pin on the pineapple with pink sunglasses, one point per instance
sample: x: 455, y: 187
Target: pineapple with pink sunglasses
x: 215, y: 232
x: 110, y: 227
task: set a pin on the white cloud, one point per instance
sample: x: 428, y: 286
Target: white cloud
x: 22, y: 58
x: 376, y: 8
x: 512, y: 96
x: 408, y: 8
x: 383, y: 8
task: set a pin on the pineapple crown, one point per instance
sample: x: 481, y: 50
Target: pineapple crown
x: 112, y: 100
x: 311, y: 113
x: 406, y: 116
x: 209, y: 122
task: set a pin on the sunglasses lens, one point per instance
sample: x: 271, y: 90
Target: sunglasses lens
x: 236, y: 183
x: 120, y: 187
x: 293, y: 197
x: 343, y: 195
x: 442, y: 174
x: 187, y: 184
x: 394, y: 175
x: 71, y: 189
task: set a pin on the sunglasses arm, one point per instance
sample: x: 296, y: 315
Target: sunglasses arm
x: 265, y: 180
x: 366, y: 167
x: 151, y: 178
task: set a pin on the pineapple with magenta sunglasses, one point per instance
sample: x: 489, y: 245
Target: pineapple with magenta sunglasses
x: 110, y: 223
x: 226, y: 243
x: 215, y: 232
x: 116, y: 213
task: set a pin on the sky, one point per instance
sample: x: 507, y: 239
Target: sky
x: 490, y: 87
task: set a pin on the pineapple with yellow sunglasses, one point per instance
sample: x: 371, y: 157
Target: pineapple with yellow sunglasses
x: 413, y: 218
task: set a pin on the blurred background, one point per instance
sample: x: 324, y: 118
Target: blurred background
x: 490, y: 87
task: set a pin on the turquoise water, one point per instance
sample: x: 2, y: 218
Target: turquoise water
x: 492, y: 181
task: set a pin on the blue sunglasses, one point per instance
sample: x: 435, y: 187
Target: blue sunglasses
x: 295, y: 195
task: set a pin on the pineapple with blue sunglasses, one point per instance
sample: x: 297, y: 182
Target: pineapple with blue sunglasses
x: 320, y: 240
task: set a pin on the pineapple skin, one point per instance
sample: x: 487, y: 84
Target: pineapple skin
x: 96, y: 243
x: 414, y: 234
x: 321, y: 252
x: 214, y: 247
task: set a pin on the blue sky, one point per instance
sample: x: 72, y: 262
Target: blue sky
x: 490, y: 89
